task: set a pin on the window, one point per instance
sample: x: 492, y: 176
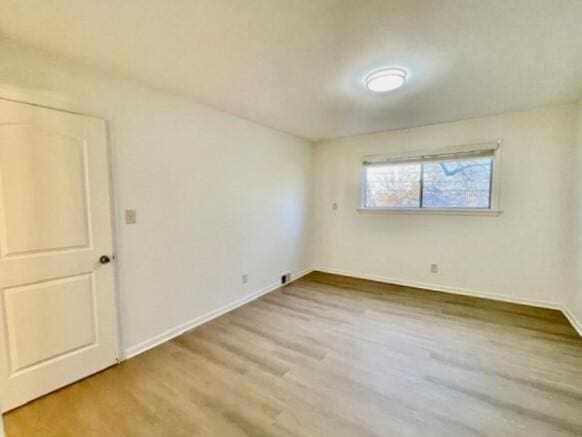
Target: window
x: 459, y: 180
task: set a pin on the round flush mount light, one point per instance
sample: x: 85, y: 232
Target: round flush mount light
x: 386, y: 79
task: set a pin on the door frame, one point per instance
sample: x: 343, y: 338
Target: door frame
x: 48, y: 101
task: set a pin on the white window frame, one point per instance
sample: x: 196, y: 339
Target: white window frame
x: 435, y: 154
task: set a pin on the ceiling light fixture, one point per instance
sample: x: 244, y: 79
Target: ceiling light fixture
x: 386, y: 79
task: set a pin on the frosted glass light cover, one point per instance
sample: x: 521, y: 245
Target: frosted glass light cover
x: 386, y: 79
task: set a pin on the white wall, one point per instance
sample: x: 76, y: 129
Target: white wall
x: 524, y: 254
x: 216, y: 196
x: 575, y: 304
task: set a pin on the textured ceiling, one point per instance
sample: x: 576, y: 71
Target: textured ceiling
x: 298, y: 65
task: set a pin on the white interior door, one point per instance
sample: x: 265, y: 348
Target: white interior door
x: 58, y: 319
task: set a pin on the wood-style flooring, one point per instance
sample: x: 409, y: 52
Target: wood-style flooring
x: 335, y: 356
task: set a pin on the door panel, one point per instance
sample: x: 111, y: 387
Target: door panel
x: 36, y: 191
x: 58, y: 317
x: 58, y: 304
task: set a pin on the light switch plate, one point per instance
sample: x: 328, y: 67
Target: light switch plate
x: 130, y: 217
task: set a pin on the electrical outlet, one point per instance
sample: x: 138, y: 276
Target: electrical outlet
x: 334, y: 206
x: 245, y: 278
x: 434, y: 268
x: 130, y: 216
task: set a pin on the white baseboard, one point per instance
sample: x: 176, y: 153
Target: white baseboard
x: 132, y: 351
x: 445, y: 289
x: 577, y: 325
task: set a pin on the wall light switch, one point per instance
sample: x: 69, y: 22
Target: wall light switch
x: 130, y: 217
x: 334, y: 206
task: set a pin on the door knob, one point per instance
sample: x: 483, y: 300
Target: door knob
x: 104, y: 259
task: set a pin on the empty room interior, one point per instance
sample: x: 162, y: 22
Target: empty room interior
x: 290, y: 218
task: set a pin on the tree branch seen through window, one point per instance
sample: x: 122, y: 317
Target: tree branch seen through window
x: 453, y: 183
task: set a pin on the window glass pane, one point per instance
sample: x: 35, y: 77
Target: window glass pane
x: 393, y: 186
x: 460, y: 183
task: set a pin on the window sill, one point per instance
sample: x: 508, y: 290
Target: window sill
x: 432, y: 211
